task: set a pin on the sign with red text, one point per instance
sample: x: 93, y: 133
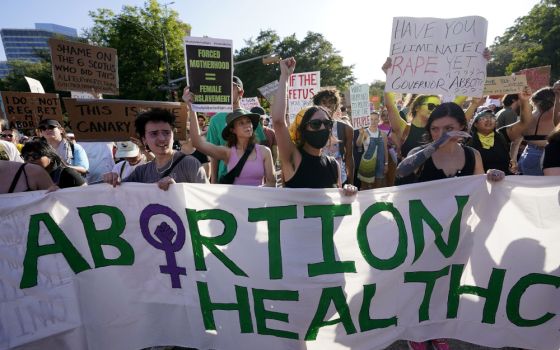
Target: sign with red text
x: 245, y: 267
x: 113, y: 120
x: 82, y: 67
x: 25, y: 110
x: 438, y: 56
x: 537, y: 77
x: 302, y: 87
x: 359, y: 102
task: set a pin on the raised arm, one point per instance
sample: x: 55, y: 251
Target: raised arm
x: 286, y: 148
x: 475, y: 103
x: 517, y: 129
x: 198, y: 141
x: 397, y: 123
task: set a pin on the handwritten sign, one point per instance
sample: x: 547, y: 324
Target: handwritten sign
x: 113, y: 120
x: 302, y: 87
x: 359, y: 102
x: 25, y: 110
x: 537, y: 77
x: 82, y: 67
x: 249, y: 102
x: 438, y: 56
x: 269, y: 90
x: 504, y: 85
x: 85, y: 95
x: 209, y: 65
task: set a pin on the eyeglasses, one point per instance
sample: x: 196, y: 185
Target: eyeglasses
x: 5, y: 136
x: 431, y: 106
x: 315, y: 124
x: 31, y: 156
x: 44, y: 128
x: 488, y: 117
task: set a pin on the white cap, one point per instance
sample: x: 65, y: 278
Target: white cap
x: 126, y: 149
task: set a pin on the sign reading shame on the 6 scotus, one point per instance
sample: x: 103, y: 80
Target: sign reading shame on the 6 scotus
x: 209, y: 65
x: 438, y: 56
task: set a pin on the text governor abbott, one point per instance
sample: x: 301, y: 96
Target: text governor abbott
x: 209, y: 72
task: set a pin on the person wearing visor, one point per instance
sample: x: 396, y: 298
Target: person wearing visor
x: 303, y: 164
x: 494, y: 144
x: 248, y: 163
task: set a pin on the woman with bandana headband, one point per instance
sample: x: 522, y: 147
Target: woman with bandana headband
x: 304, y: 165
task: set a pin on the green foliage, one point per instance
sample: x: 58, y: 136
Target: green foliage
x: 377, y: 88
x: 15, y: 80
x: 138, y: 36
x: 313, y: 53
x: 533, y: 41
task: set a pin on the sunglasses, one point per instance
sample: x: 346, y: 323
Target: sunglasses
x: 50, y: 127
x: 5, y: 136
x: 431, y: 106
x: 32, y: 156
x: 315, y: 124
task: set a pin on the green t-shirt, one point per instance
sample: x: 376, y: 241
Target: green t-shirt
x: 214, y: 136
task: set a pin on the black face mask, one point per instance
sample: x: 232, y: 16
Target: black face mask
x: 316, y: 139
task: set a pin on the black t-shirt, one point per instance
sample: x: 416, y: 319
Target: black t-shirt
x: 497, y: 156
x: 552, y: 154
x: 66, y: 177
x: 202, y: 158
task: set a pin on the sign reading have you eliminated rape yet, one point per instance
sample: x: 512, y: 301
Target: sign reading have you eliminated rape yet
x: 82, y: 67
x: 209, y: 63
x: 229, y: 267
x: 438, y: 56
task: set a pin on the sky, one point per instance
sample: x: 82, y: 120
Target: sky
x: 359, y: 30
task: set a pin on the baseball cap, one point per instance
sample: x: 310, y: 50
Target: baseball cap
x: 237, y: 82
x: 49, y: 122
x: 126, y: 149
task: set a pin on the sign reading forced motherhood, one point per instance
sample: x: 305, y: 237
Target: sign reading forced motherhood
x: 212, y: 267
x: 209, y: 65
x: 81, y: 67
x: 25, y: 110
x: 438, y: 56
x: 113, y: 120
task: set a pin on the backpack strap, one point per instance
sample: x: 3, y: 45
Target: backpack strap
x: 229, y: 178
x: 168, y: 171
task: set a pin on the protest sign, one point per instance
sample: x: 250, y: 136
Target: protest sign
x: 113, y: 120
x: 85, y: 95
x: 269, y: 90
x: 209, y: 65
x: 211, y: 266
x: 25, y: 110
x: 301, y: 89
x: 511, y: 84
x: 82, y: 67
x: 249, y: 102
x: 35, y: 85
x: 438, y: 56
x: 359, y: 102
x: 537, y: 77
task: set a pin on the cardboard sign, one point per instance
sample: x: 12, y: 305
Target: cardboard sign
x: 249, y: 102
x: 85, y: 95
x: 269, y: 90
x: 438, y: 56
x: 25, y: 110
x: 302, y: 87
x: 113, y: 120
x: 359, y: 101
x: 82, y: 67
x: 504, y: 85
x: 537, y: 77
x: 35, y: 85
x: 209, y: 65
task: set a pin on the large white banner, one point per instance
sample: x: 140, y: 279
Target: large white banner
x: 438, y: 56
x: 229, y: 267
x: 301, y: 89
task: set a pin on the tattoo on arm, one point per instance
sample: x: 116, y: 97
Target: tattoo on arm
x: 414, y: 161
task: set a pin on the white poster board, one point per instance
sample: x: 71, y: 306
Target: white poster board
x: 360, y: 105
x: 35, y: 85
x: 269, y: 90
x: 249, y: 102
x: 301, y: 89
x: 438, y: 56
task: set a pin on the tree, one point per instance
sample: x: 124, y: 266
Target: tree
x: 313, y: 53
x: 533, y: 41
x: 139, y: 35
x: 15, y: 80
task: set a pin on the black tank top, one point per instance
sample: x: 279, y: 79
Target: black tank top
x: 314, y: 172
x: 413, y: 139
x: 497, y: 156
x: 430, y: 172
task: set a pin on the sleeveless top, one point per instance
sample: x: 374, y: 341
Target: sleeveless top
x: 252, y: 173
x: 429, y: 172
x: 314, y: 172
x: 497, y: 156
x: 536, y: 137
x: 413, y: 139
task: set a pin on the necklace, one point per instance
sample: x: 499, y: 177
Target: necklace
x: 168, y: 167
